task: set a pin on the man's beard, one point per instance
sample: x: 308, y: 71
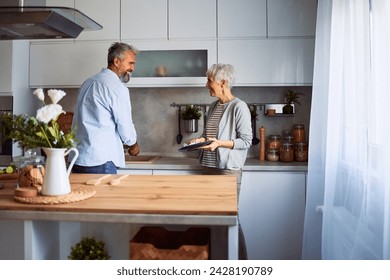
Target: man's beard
x: 125, y: 77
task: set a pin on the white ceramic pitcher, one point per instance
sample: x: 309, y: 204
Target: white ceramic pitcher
x: 56, y: 178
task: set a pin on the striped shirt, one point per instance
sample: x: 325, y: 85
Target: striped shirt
x: 210, y: 157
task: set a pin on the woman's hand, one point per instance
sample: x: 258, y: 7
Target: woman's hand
x: 195, y: 141
x: 229, y: 144
x: 214, y: 145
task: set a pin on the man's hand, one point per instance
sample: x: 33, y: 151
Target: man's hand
x: 133, y: 150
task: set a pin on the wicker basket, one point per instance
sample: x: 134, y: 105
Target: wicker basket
x: 156, y: 243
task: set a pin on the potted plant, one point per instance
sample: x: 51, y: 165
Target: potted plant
x: 290, y: 98
x: 89, y: 249
x: 191, y: 116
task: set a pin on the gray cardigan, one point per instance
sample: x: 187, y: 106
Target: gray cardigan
x: 235, y: 124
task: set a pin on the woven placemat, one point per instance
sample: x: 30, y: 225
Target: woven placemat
x: 78, y: 193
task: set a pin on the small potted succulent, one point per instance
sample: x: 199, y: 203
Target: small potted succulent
x: 291, y: 97
x: 191, y: 116
x: 89, y: 249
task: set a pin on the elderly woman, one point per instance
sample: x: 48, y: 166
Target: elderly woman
x: 228, y: 127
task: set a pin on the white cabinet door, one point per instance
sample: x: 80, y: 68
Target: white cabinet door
x: 245, y: 18
x: 269, y: 61
x: 13, y: 241
x: 172, y: 45
x: 271, y: 211
x: 142, y: 19
x: 292, y: 17
x: 5, y: 67
x: 192, y: 19
x: 66, y: 64
x: 106, y: 13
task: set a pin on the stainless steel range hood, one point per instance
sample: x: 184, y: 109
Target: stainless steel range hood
x: 31, y: 19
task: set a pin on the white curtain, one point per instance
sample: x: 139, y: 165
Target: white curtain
x: 349, y: 158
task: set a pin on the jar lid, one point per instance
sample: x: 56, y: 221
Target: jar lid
x: 273, y: 151
x: 300, y: 143
x: 31, y: 158
x: 298, y: 126
x: 288, y: 138
x: 274, y: 137
x: 287, y: 144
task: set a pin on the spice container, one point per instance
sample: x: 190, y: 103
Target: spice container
x: 274, y: 142
x: 272, y: 155
x: 301, y: 151
x: 299, y: 133
x: 287, y: 152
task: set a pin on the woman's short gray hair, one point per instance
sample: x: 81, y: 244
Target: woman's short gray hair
x: 118, y: 50
x: 220, y: 71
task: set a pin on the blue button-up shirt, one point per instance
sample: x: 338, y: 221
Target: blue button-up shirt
x: 104, y: 121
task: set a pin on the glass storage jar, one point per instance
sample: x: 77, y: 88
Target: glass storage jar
x: 287, y: 152
x: 301, y: 151
x: 31, y: 171
x: 274, y: 142
x: 288, y: 139
x: 299, y: 133
x: 272, y: 155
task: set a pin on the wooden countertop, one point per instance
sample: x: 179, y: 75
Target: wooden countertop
x: 143, y: 194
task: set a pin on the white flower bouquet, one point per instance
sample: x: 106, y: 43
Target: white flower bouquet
x: 42, y: 130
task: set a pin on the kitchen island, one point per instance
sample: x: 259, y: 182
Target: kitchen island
x: 271, y: 205
x: 48, y: 231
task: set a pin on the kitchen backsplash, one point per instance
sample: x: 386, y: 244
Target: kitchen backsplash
x: 156, y: 120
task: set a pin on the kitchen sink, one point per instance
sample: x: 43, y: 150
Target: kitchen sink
x: 141, y: 159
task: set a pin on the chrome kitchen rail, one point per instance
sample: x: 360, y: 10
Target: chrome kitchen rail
x: 201, y: 105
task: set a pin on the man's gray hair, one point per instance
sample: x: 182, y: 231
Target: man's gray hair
x: 118, y: 50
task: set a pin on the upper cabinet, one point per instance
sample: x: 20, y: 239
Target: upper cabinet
x: 67, y: 64
x: 245, y: 18
x: 275, y: 39
x: 269, y: 62
x: 291, y: 17
x: 106, y: 13
x: 266, y: 18
x: 165, y: 31
x: 185, y: 63
x: 186, y: 37
x: 192, y: 19
x: 142, y: 19
x: 168, y: 19
x: 172, y: 63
